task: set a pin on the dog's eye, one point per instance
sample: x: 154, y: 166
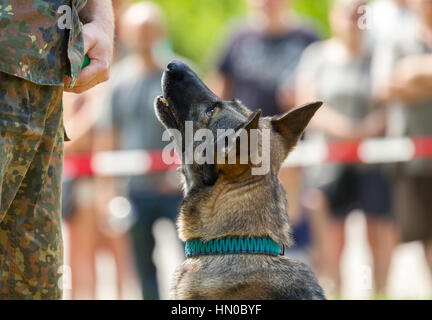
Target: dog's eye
x: 211, y: 109
x: 210, y: 112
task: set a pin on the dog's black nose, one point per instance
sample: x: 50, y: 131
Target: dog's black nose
x: 177, y: 69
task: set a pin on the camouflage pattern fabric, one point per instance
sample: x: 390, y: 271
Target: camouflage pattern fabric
x: 34, y: 47
x: 31, y: 156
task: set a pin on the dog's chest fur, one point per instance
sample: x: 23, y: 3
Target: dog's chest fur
x: 244, y: 277
x: 255, y: 206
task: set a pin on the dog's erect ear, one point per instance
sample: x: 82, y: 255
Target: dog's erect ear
x: 292, y: 124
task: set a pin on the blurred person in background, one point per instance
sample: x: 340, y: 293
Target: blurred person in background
x: 86, y: 223
x: 390, y: 17
x: 258, y: 67
x: 262, y: 56
x: 131, y: 124
x: 85, y: 220
x: 337, y: 71
x: 408, y: 91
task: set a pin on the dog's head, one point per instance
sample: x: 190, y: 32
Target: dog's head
x: 187, y: 100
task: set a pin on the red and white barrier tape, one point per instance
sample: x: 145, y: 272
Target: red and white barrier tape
x: 307, y: 153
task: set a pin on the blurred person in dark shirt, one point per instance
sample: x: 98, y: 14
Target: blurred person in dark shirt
x: 337, y: 71
x: 131, y: 124
x: 263, y: 55
x: 408, y: 91
x: 258, y: 67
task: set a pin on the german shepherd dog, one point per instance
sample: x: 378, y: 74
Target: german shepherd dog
x: 227, y: 201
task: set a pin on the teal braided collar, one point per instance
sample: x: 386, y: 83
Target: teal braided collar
x: 233, y: 245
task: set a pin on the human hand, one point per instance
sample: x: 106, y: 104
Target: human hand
x: 411, y: 81
x: 372, y: 125
x: 98, y: 45
x: 411, y: 70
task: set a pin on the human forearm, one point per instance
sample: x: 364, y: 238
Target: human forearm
x: 411, y: 81
x: 99, y: 12
x: 326, y: 120
x: 334, y: 124
x: 410, y: 94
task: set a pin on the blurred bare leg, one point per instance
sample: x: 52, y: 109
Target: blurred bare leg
x: 119, y: 246
x: 382, y: 237
x: 428, y: 254
x: 319, y: 224
x: 82, y: 254
x: 328, y: 239
x: 337, y: 238
x: 292, y: 180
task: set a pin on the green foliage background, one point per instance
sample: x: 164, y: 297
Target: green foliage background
x: 198, y: 27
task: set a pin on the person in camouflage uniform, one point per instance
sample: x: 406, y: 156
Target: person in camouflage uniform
x: 35, y: 54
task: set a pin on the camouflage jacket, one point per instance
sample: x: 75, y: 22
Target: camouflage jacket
x: 41, y: 39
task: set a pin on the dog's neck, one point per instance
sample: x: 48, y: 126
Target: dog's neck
x: 248, y: 206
